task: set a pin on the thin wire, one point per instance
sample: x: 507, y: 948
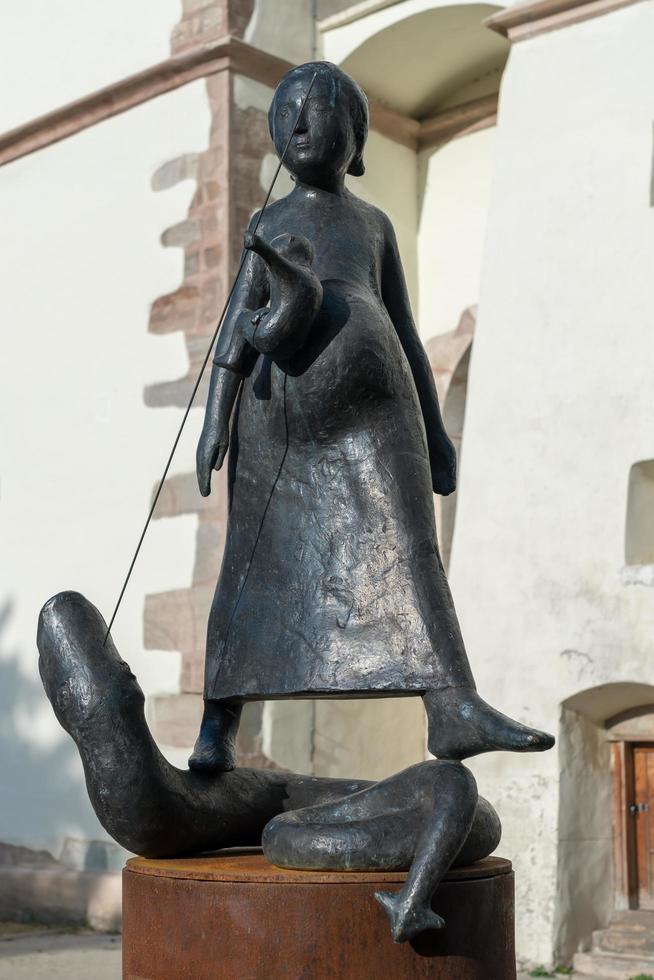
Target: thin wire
x: 206, y: 361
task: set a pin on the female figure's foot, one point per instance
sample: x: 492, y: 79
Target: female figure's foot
x: 215, y: 748
x: 461, y: 724
x: 407, y: 920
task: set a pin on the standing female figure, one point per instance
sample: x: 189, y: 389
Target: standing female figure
x: 331, y: 583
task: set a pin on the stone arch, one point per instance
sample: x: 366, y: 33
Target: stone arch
x: 433, y: 71
x: 593, y: 724
x: 442, y: 51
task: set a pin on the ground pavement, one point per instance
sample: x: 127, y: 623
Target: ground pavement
x: 31, y: 954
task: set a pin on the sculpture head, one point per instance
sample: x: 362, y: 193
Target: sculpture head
x: 330, y: 136
x: 80, y: 674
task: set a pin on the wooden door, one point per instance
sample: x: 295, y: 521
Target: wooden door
x: 643, y: 815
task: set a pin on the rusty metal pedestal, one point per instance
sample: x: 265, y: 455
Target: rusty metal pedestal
x: 235, y: 916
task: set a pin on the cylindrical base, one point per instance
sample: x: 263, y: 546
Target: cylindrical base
x: 235, y: 916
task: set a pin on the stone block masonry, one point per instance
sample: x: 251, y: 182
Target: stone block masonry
x: 228, y: 191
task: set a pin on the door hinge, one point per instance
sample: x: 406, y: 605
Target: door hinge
x: 639, y: 808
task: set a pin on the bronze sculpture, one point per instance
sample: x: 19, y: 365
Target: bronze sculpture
x: 331, y: 583
x: 425, y: 818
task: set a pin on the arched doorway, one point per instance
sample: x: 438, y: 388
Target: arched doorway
x: 631, y: 734
x: 606, y: 818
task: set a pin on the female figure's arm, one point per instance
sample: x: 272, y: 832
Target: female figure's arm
x: 442, y: 455
x: 231, y: 362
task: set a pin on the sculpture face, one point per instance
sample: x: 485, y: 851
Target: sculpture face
x: 323, y: 145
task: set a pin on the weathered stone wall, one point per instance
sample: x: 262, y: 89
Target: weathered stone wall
x: 228, y: 190
x: 177, y: 621
x: 207, y: 20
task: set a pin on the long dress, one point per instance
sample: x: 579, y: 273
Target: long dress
x: 331, y: 582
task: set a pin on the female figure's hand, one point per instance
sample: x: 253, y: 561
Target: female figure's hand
x: 210, y: 454
x: 442, y: 458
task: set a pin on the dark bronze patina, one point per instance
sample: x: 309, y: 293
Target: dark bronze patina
x: 425, y: 818
x: 331, y: 583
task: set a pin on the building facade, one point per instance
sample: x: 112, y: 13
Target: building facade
x: 512, y: 149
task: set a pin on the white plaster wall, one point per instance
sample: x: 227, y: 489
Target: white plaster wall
x: 560, y: 404
x: 368, y: 739
x: 53, y: 53
x: 79, y: 451
x: 390, y: 183
x: 453, y: 187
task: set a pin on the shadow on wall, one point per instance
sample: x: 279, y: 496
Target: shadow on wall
x: 454, y: 412
x: 43, y: 794
x: 449, y: 357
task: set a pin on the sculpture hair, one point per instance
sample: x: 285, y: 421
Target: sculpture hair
x: 356, y: 97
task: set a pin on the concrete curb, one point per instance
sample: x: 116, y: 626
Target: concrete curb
x: 59, y: 897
